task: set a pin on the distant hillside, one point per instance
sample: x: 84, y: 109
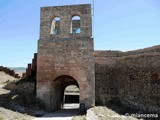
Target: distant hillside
x: 18, y: 70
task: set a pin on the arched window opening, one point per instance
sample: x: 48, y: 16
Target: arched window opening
x: 55, y: 26
x: 75, y: 25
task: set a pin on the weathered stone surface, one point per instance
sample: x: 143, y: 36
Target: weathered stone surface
x: 31, y: 69
x: 65, y: 58
x: 133, y: 77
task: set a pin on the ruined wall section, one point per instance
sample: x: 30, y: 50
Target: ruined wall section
x: 132, y: 77
x: 9, y: 71
x: 31, y: 69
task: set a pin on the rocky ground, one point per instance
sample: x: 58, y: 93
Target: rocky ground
x: 6, y: 113
x: 4, y: 78
x: 103, y: 113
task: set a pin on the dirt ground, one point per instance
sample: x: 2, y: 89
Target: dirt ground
x: 11, y: 115
x: 6, y: 114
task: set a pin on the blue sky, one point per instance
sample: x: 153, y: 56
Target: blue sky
x: 117, y: 25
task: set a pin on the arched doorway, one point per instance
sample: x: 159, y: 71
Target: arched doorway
x: 65, y: 90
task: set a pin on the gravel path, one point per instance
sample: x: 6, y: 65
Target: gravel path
x: 67, y: 113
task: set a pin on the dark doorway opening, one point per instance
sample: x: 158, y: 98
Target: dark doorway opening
x: 68, y: 92
x: 71, y: 97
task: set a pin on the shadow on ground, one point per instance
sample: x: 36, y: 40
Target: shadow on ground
x: 20, y: 96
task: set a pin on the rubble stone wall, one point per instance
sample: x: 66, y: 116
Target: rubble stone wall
x: 133, y: 77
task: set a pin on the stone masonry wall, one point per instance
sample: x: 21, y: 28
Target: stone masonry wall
x: 74, y: 59
x: 65, y: 55
x: 132, y: 77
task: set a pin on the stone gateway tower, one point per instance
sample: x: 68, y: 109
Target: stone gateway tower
x: 65, y: 54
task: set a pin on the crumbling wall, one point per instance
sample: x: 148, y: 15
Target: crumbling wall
x: 9, y: 71
x: 132, y: 77
x: 31, y: 69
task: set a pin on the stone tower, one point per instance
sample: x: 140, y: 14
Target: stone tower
x: 65, y: 54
